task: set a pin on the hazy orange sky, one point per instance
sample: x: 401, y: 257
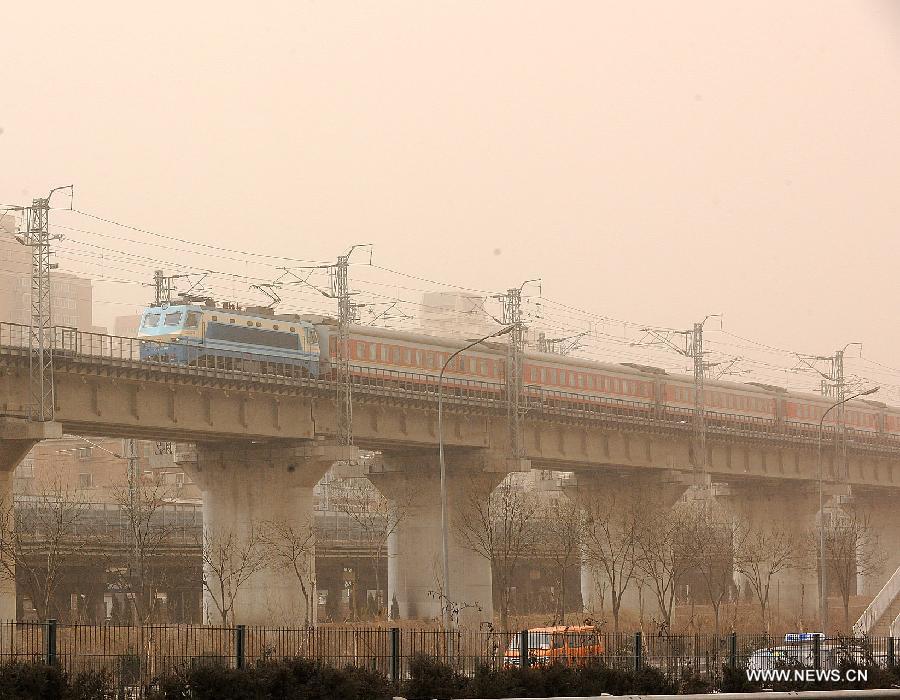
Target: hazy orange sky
x: 650, y: 161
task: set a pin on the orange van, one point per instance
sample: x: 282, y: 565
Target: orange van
x: 569, y: 646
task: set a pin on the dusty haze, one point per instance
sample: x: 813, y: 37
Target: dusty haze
x: 653, y: 162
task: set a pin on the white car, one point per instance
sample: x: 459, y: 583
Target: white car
x: 803, y: 654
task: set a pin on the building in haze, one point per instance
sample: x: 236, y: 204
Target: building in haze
x: 126, y: 326
x: 455, y: 315
x: 70, y: 295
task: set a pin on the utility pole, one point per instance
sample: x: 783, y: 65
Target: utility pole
x: 692, y: 348
x: 37, y: 236
x: 696, y: 352
x: 163, y: 287
x: 133, y: 480
x: 340, y: 290
x: 834, y: 387
x: 515, y: 353
x: 347, y: 315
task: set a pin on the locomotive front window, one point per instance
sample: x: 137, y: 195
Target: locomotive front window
x: 151, y: 320
x: 193, y: 320
x: 173, y: 319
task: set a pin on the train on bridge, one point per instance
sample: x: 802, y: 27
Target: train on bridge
x: 258, y: 340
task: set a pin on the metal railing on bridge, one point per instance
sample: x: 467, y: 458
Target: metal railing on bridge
x: 81, y: 347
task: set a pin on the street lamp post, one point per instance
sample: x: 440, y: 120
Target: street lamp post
x: 445, y: 546
x: 823, y: 577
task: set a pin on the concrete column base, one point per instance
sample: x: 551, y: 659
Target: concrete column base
x: 883, y: 514
x: 415, y: 569
x: 17, y: 437
x: 790, y: 508
x: 612, y: 491
x: 252, y: 493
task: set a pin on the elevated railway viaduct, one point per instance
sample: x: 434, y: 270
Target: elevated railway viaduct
x: 264, y: 440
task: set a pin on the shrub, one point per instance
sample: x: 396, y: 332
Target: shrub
x: 215, y: 683
x: 291, y: 678
x: 429, y: 678
x: 734, y: 680
x: 517, y: 682
x: 92, y: 685
x: 129, y: 668
x: 27, y: 681
x: 304, y: 678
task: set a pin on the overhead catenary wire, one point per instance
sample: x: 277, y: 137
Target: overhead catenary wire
x: 195, y: 243
x: 602, y: 340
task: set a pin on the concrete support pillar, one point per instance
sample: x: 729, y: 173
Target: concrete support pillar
x: 792, y: 508
x: 415, y: 571
x: 253, y: 493
x: 883, y: 513
x: 17, y: 437
x: 620, y: 489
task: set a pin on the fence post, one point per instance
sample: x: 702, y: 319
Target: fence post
x: 638, y: 651
x: 817, y: 651
x: 523, y: 649
x: 732, y: 651
x: 240, y: 633
x: 892, y: 661
x: 395, y: 655
x: 50, y: 643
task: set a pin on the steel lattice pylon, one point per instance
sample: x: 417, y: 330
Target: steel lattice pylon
x: 37, y: 237
x: 696, y: 351
x: 515, y: 349
x: 340, y: 288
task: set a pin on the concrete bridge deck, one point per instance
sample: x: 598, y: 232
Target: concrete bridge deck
x: 265, y: 438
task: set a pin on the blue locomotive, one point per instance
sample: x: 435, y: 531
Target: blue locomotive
x: 229, y: 338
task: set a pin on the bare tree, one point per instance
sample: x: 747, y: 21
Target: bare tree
x: 376, y: 516
x: 142, y: 504
x: 611, y: 544
x: 561, y: 525
x: 230, y: 559
x: 40, y: 538
x: 292, y: 549
x: 850, y: 551
x: 762, y: 551
x: 660, y: 559
x: 501, y: 528
x: 706, y: 545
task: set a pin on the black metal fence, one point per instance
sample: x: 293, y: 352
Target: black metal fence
x: 134, y: 656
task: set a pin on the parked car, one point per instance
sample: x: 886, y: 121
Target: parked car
x: 800, y: 650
